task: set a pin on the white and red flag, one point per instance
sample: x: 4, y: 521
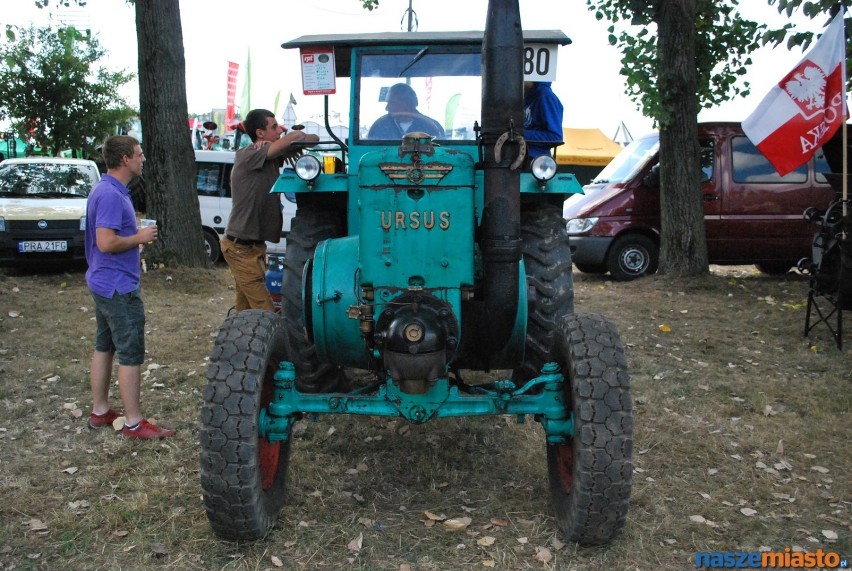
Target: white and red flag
x: 806, y: 108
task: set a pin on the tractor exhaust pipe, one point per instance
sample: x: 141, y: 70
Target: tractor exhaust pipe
x: 502, y: 115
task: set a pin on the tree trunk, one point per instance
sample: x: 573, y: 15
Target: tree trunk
x: 169, y: 170
x: 683, y: 244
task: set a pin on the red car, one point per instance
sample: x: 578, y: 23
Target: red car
x: 752, y: 215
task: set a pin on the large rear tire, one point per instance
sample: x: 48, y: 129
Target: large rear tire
x: 547, y: 260
x: 591, y: 474
x: 313, y: 223
x: 243, y: 476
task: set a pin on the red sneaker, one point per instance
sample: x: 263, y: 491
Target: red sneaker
x: 96, y: 421
x: 147, y: 431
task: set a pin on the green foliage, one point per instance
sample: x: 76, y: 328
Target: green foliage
x: 723, y: 43
x: 820, y: 8
x: 53, y: 89
x: 370, y: 4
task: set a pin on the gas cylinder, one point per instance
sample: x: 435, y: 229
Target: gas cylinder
x: 274, y: 278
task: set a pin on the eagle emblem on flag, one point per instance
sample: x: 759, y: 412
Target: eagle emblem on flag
x: 806, y: 86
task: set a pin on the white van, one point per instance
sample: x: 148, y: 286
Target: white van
x: 213, y: 185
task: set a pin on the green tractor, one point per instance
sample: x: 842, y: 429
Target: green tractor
x: 414, y: 256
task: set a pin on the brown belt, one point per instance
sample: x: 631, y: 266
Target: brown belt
x: 241, y: 242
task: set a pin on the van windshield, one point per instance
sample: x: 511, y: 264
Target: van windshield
x: 630, y: 161
x: 46, y: 179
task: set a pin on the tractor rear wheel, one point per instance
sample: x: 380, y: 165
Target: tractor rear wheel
x: 547, y: 260
x: 590, y: 475
x: 243, y: 476
x: 313, y: 223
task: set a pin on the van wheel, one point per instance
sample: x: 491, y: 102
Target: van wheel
x: 631, y: 257
x: 211, y: 246
x: 774, y: 268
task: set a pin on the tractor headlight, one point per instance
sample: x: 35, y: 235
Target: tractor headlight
x: 580, y: 225
x: 543, y: 168
x: 308, y: 168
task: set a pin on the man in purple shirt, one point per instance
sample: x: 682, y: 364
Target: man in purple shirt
x: 112, y: 252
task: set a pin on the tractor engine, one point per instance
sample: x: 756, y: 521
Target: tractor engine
x: 413, y: 264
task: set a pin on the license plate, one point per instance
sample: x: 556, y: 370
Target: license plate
x: 43, y: 246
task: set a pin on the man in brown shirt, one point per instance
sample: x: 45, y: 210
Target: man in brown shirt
x: 255, y: 212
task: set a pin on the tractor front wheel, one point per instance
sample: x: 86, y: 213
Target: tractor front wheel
x: 243, y: 476
x: 590, y: 474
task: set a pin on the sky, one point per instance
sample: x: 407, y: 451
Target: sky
x: 218, y: 31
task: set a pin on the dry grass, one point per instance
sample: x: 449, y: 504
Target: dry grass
x: 735, y: 410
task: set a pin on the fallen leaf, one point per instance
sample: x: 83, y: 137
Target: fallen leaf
x: 489, y: 563
x: 500, y: 522
x: 665, y: 328
x: 485, y: 541
x: 557, y: 545
x: 277, y: 562
x: 159, y: 550
x: 37, y: 525
x: 820, y: 469
x: 430, y: 515
x: 457, y: 524
x: 355, y: 545
x: 71, y: 470
x: 523, y: 540
x: 697, y: 519
x: 542, y: 554
x: 829, y: 534
x: 14, y: 314
x: 780, y: 448
x: 748, y: 512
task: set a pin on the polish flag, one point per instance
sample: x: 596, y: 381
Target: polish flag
x: 806, y: 108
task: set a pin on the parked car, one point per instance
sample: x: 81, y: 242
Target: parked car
x: 43, y: 209
x: 752, y: 215
x: 213, y: 184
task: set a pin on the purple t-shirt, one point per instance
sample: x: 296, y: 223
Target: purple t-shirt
x: 109, y: 206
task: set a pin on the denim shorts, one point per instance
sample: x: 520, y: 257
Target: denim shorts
x: 121, y: 326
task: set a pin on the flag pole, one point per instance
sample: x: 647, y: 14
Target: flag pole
x: 845, y: 187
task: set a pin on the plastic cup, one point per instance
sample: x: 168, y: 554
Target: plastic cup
x: 145, y: 222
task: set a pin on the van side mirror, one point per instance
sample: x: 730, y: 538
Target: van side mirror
x: 652, y: 179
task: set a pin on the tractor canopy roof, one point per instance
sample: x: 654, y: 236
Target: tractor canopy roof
x: 343, y: 43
